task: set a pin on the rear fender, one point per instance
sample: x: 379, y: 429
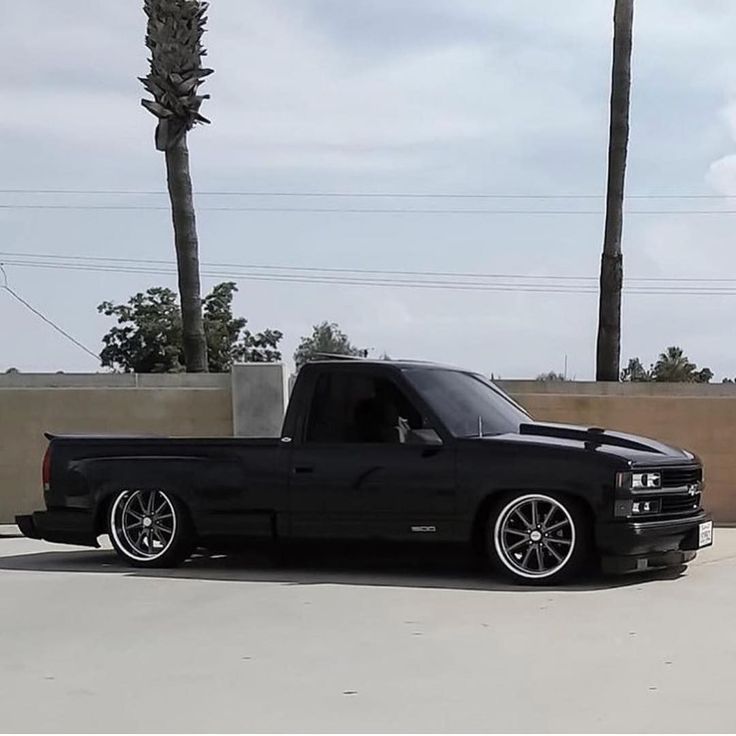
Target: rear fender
x: 197, y: 482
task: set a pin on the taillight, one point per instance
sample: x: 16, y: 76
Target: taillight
x: 46, y: 469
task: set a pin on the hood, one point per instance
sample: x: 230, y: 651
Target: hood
x: 634, y: 449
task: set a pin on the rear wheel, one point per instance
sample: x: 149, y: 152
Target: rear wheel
x: 150, y: 528
x: 539, y: 538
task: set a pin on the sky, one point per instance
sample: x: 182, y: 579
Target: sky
x: 508, y: 97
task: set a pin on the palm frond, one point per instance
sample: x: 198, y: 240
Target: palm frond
x: 174, y: 37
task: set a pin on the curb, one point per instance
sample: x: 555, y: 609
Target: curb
x: 9, y: 531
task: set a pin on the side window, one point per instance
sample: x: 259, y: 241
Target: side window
x: 357, y: 408
x: 328, y: 414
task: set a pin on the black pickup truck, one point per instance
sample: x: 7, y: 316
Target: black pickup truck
x: 384, y: 450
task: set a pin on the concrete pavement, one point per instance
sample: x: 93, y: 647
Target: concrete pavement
x: 238, y: 644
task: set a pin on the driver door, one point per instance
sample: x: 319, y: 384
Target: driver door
x: 368, y: 464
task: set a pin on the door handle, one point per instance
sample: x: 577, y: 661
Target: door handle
x: 301, y: 469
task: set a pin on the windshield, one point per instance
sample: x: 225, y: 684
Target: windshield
x: 467, y: 403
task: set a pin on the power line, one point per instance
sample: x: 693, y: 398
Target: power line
x: 692, y: 290
x: 52, y: 257
x: 307, y: 269
x: 170, y: 269
x: 326, y: 280
x: 355, y: 210
x: 375, y: 195
x: 35, y: 311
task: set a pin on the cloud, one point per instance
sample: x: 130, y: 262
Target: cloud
x: 690, y: 247
x: 722, y: 175
x: 722, y: 172
x: 385, y: 95
x: 287, y: 92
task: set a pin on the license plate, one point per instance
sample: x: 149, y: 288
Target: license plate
x: 705, y: 534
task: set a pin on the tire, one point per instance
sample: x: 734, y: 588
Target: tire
x: 150, y: 528
x: 539, y: 538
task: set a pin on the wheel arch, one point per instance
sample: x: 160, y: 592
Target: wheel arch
x: 492, y: 499
x: 105, y: 496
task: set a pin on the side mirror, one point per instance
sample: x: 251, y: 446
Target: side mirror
x: 423, y: 437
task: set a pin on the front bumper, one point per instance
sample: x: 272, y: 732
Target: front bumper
x: 65, y: 527
x: 640, y: 545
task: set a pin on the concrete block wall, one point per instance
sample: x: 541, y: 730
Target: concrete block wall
x: 251, y: 402
x: 259, y: 396
x: 175, y: 405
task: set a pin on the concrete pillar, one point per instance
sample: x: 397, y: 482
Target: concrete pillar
x: 260, y: 395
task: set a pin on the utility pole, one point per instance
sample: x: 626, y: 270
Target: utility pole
x: 611, y: 281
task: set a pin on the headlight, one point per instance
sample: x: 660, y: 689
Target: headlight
x: 639, y: 482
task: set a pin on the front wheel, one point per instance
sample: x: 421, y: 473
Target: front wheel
x: 539, y: 538
x: 150, y: 528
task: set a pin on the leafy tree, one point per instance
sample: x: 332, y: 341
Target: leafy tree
x: 148, y: 336
x: 609, y: 317
x: 325, y: 338
x: 11, y: 371
x: 673, y: 366
x: 228, y: 340
x: 705, y: 375
x: 551, y: 376
x: 174, y: 38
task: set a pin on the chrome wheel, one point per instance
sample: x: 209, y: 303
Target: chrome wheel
x: 534, y: 536
x: 143, y: 524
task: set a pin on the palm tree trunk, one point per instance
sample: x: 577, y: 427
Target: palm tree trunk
x: 612, y: 274
x: 187, y: 255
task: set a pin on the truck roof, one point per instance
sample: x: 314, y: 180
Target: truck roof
x: 350, y: 360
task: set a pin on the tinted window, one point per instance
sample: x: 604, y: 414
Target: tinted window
x: 353, y: 407
x: 467, y: 403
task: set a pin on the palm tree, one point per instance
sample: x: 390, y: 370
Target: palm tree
x: 174, y: 37
x: 673, y: 366
x: 609, y: 318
